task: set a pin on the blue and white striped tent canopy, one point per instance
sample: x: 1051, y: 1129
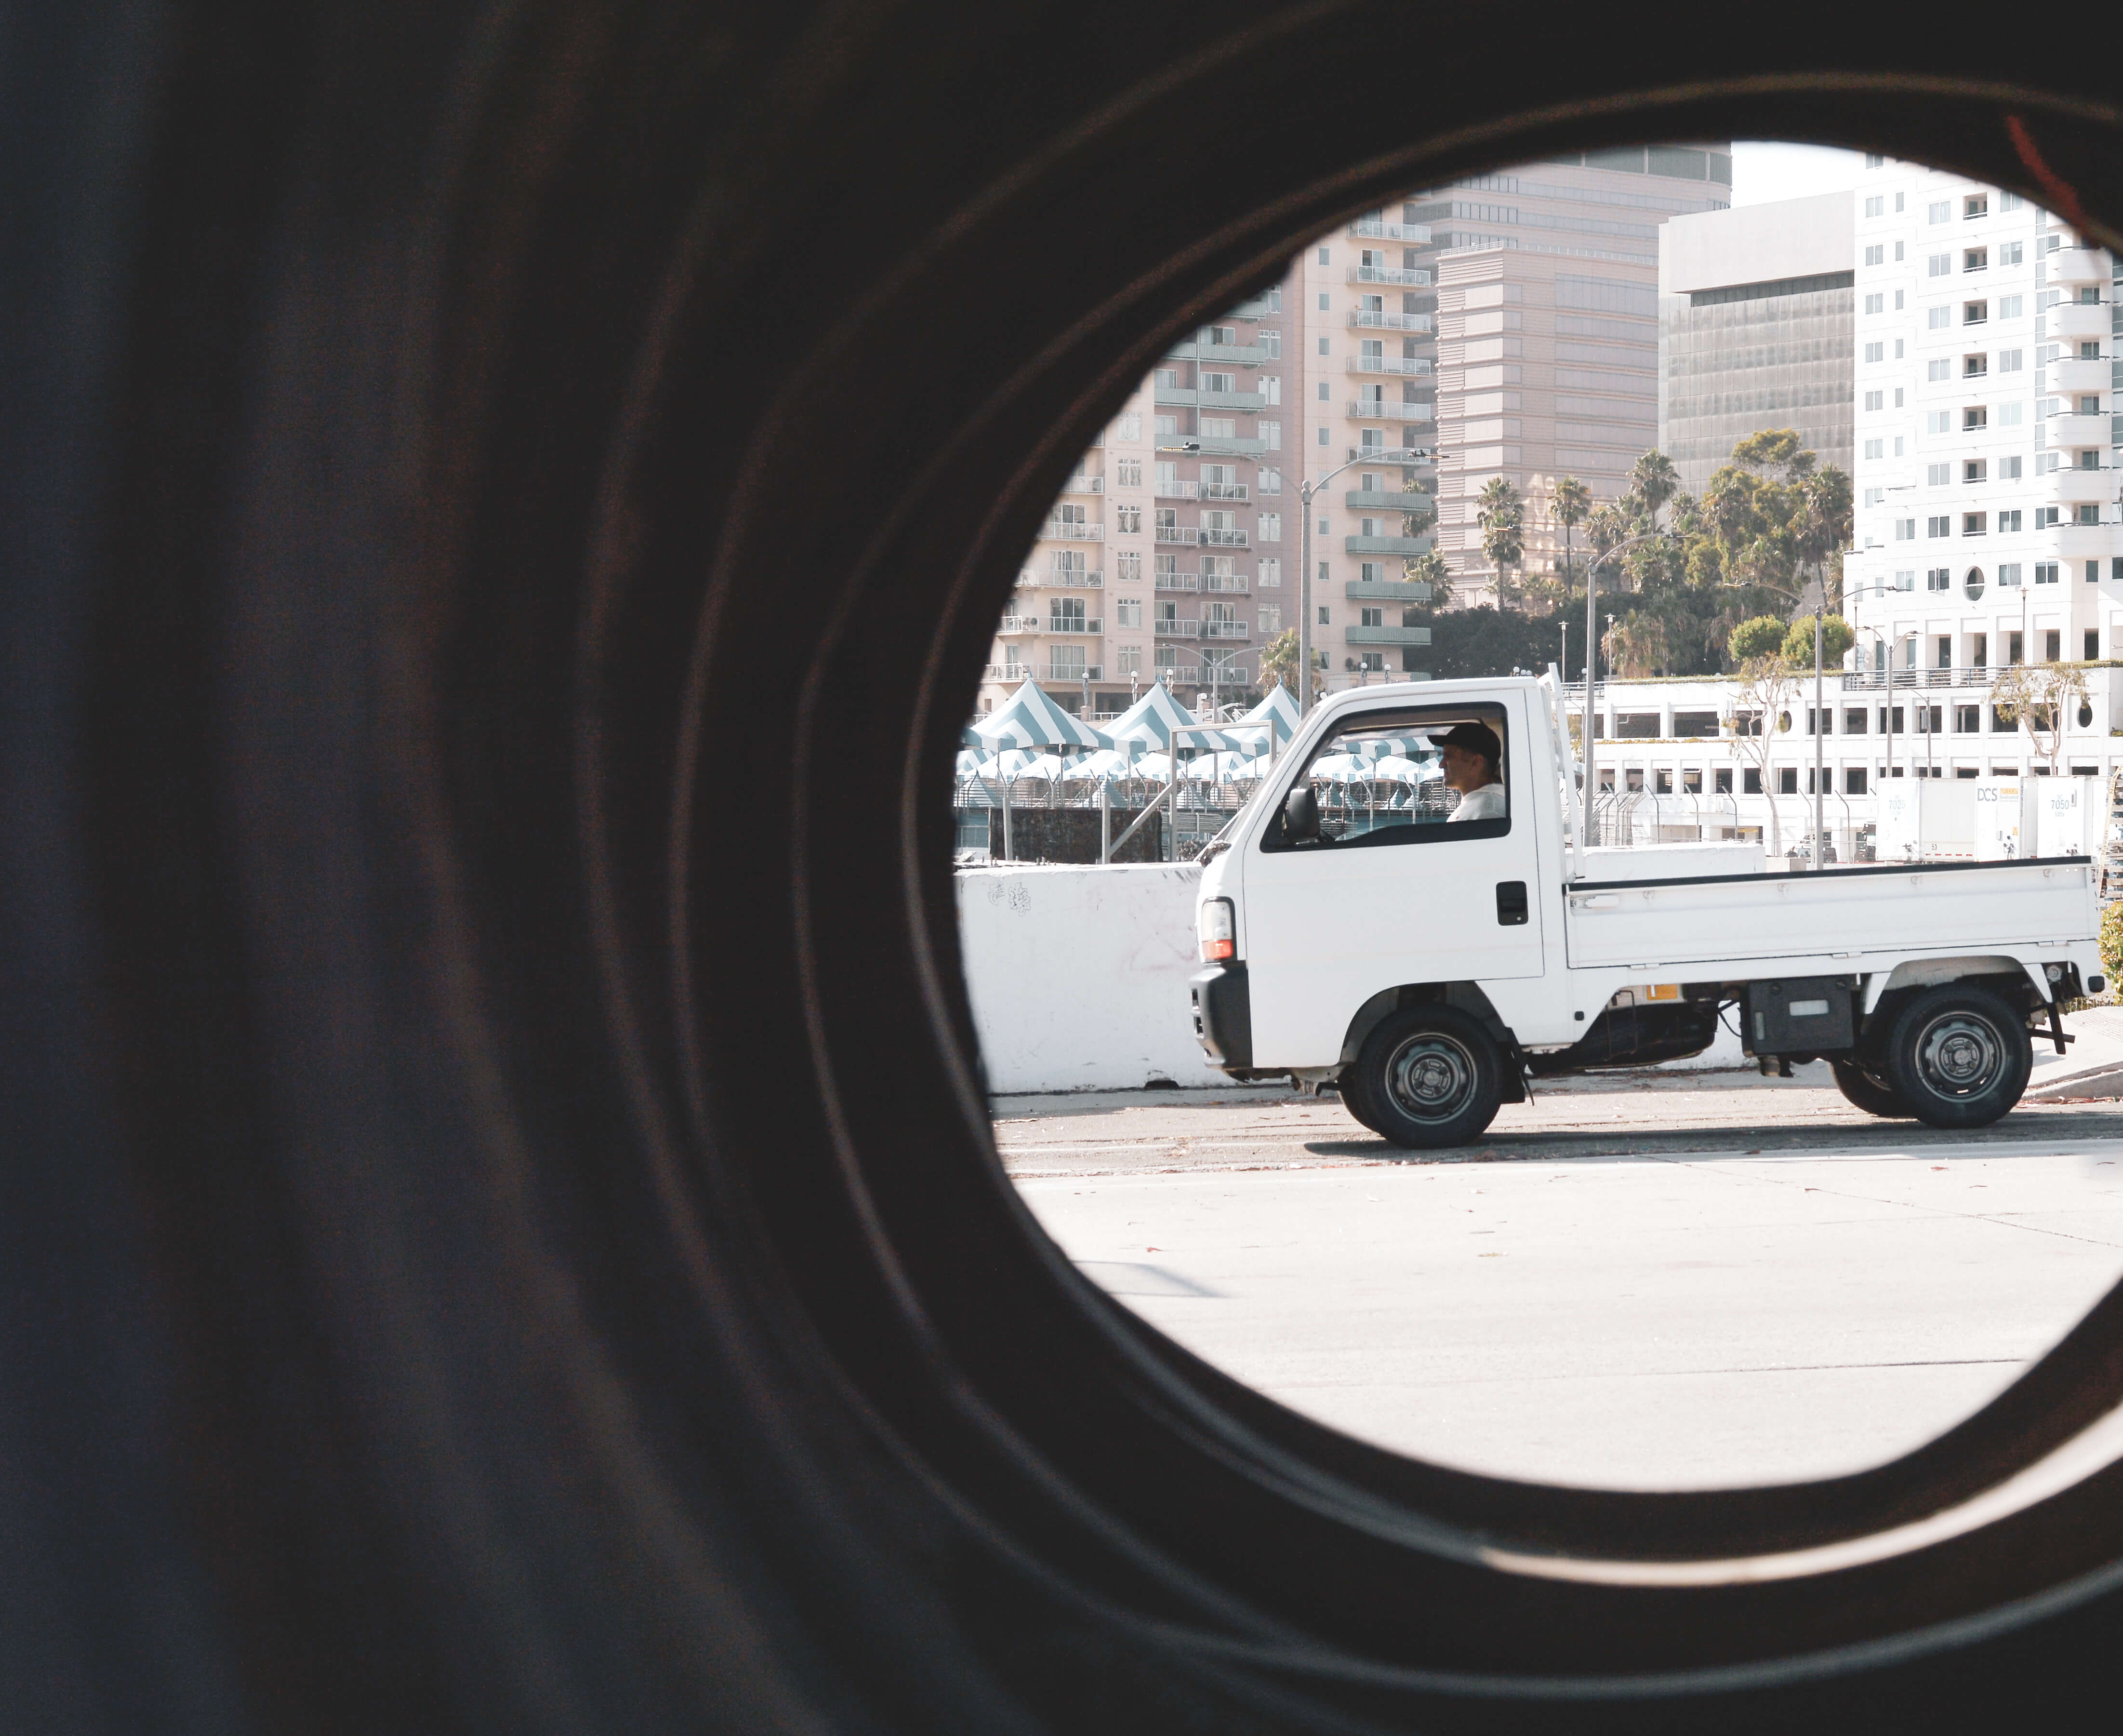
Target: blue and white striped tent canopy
x: 1149, y: 721
x: 1278, y: 711
x: 1030, y: 718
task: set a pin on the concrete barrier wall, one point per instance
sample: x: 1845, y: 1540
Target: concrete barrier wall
x: 1078, y: 975
x: 1078, y: 978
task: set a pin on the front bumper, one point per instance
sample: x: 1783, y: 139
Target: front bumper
x: 1224, y: 1016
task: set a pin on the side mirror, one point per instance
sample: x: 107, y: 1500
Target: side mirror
x: 1301, y: 816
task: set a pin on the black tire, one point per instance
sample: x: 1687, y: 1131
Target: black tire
x: 1350, y: 1085
x: 1431, y: 1077
x: 1873, y: 1096
x: 1958, y: 1056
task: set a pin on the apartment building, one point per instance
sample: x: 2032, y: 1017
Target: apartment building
x: 1162, y: 556
x: 1546, y: 356
x: 1755, y: 313
x: 1986, y: 526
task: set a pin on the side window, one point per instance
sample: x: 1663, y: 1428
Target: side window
x: 1432, y: 774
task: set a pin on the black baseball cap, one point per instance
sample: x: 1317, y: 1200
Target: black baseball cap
x: 1477, y: 738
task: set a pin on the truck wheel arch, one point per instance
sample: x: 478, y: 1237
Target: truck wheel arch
x: 1926, y: 973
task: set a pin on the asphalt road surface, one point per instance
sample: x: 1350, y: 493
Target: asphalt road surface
x: 1641, y: 1282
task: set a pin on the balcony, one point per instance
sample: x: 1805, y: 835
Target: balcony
x: 1007, y: 672
x: 1081, y: 673
x: 1177, y: 629
x: 1178, y: 536
x: 1245, y: 403
x: 2069, y: 374
x: 2078, y: 320
x: 1220, y: 355
x: 2077, y: 430
x: 1396, y: 500
x: 1226, y: 630
x: 1389, y: 365
x: 2073, y: 487
x: 1388, y: 274
x: 2077, y: 265
x: 1392, y: 455
x: 1389, y: 635
x: 1239, y: 491
x: 1226, y: 539
x: 1091, y: 579
x: 1377, y: 410
x: 1080, y: 483
x: 1370, y: 228
x: 1212, y: 446
x: 1072, y: 530
x: 1409, y: 593
x: 1011, y: 626
x: 1178, y: 581
x: 1371, y: 319
x: 1876, y: 680
x: 1402, y: 545
x: 1176, y: 490
x: 1237, y: 585
x: 1260, y: 307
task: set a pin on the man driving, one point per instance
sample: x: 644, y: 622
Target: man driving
x: 1473, y: 766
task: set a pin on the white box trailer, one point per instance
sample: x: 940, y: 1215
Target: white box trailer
x: 1432, y: 955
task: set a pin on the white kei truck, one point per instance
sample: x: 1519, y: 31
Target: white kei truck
x: 1431, y: 969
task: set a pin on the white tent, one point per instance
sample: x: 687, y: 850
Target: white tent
x: 1030, y: 718
x: 1278, y: 712
x: 1149, y: 722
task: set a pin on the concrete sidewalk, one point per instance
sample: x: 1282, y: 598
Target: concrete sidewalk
x: 1643, y: 1283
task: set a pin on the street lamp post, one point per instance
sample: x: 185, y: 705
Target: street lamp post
x: 1305, y: 491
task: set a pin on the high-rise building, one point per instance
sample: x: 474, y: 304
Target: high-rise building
x: 1547, y: 348
x: 1756, y: 312
x: 1986, y: 521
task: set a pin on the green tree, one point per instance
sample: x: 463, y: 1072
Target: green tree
x: 1763, y: 636
x: 1278, y: 663
x: 1571, y: 504
x: 1429, y: 569
x: 1501, y: 515
x: 1654, y: 480
x: 2042, y: 697
x: 1837, y: 637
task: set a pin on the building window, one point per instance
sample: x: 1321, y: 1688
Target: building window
x: 1875, y: 400
x: 2011, y: 254
x: 1938, y: 421
x: 1975, y: 258
x: 1876, y: 304
x: 2045, y: 572
x: 2009, y: 522
x: 1130, y: 426
x: 1938, y: 579
x: 1906, y: 579
x: 2093, y: 644
x: 2008, y: 305
x: 1268, y: 616
x: 1127, y: 567
x: 1876, y: 206
x: 1939, y: 265
x: 1876, y: 352
x: 1325, y: 305
x: 1268, y: 527
x: 1973, y: 367
x: 1975, y: 524
x: 2045, y: 516
x: 1127, y: 612
x: 1938, y: 319
x: 1939, y: 212
x: 2008, y: 572
x: 1905, y: 530
x: 1972, y: 584
x: 1128, y: 660
x: 1875, y: 449
x: 1854, y: 780
x: 1936, y: 475
x: 1324, y: 347
x: 2052, y: 645
x: 1269, y: 576
x: 1270, y: 344
x: 2089, y: 513
x: 2009, y: 361
x: 1876, y: 255
x: 1939, y: 367
x: 1975, y: 470
x: 1974, y: 313
x: 1322, y: 615
x: 1366, y: 617
x: 1975, y: 415
x: 1939, y: 524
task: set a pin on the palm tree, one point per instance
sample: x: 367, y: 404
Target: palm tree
x: 1654, y: 478
x: 1501, y: 515
x: 1570, y: 503
x: 1429, y: 569
x: 1822, y: 523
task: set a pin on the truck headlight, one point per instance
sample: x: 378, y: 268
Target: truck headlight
x: 1219, y: 930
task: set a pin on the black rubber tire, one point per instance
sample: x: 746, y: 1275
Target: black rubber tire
x: 1351, y: 1084
x: 1870, y: 1094
x: 1431, y: 1077
x: 1958, y: 1056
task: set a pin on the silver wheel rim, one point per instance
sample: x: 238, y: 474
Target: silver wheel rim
x: 1431, y: 1077
x: 1959, y: 1055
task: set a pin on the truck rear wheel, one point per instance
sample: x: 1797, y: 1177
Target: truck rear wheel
x: 1870, y: 1094
x: 1427, y: 1077
x: 1958, y: 1056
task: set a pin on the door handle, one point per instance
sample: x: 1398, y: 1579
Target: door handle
x: 1512, y: 909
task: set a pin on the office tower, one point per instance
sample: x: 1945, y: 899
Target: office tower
x: 1755, y: 319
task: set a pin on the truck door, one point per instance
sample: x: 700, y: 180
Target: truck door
x: 1395, y: 889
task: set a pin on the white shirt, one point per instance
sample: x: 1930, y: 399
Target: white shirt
x: 1485, y: 803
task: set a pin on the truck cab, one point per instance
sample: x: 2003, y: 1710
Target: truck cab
x: 1427, y: 936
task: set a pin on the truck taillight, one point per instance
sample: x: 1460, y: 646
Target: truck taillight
x: 1219, y: 930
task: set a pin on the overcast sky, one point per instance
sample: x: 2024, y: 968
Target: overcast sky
x: 1762, y: 172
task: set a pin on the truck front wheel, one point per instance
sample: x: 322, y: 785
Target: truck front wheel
x: 1959, y: 1057
x: 1429, y: 1077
